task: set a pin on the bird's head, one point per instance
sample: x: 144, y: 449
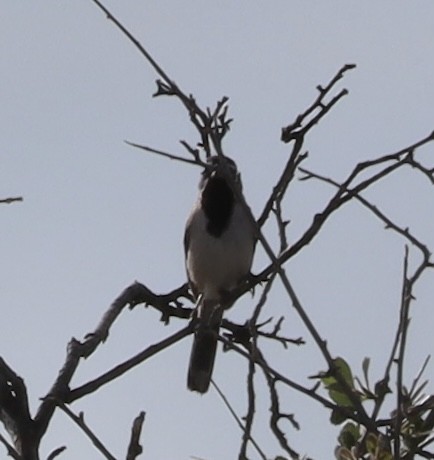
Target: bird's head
x: 223, y: 168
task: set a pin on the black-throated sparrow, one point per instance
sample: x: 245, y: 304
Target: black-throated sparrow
x: 219, y: 244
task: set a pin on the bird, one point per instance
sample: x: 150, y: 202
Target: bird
x: 219, y: 244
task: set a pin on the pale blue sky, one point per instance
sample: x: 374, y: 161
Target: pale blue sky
x: 98, y: 214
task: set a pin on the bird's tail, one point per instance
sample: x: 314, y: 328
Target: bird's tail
x: 204, y: 349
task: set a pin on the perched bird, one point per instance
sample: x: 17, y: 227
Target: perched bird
x: 219, y: 243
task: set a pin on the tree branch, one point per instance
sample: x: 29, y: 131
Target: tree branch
x: 122, y: 368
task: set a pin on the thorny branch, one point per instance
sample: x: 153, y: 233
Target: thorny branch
x: 296, y: 132
x: 302, y: 123
x: 389, y: 224
x: 212, y: 125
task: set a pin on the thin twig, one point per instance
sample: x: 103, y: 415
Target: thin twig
x: 79, y: 421
x: 377, y: 212
x: 56, y: 452
x: 11, y: 200
x: 286, y: 177
x: 296, y: 129
x: 419, y: 374
x: 164, y: 154
x: 406, y: 295
x: 292, y: 384
x: 136, y: 43
x: 237, y: 419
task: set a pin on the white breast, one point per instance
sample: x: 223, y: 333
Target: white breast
x: 219, y: 263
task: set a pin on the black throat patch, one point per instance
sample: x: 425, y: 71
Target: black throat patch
x: 217, y: 204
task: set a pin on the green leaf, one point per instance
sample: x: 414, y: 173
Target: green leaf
x: 338, y: 395
x: 349, y: 435
x: 341, y: 371
x: 337, y: 417
x: 365, y: 366
x: 371, y: 443
x: 344, y: 370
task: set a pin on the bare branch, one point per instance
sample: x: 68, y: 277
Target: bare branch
x: 296, y: 129
x: 121, y: 369
x: 168, y: 304
x: 377, y: 212
x: 342, y: 196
